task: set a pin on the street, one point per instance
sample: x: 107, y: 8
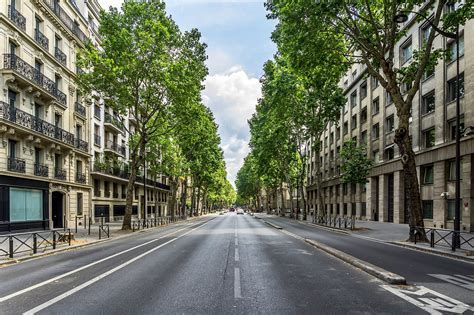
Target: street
x: 213, y: 265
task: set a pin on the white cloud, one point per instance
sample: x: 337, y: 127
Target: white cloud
x: 232, y: 96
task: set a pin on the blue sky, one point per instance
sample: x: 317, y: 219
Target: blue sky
x: 238, y: 37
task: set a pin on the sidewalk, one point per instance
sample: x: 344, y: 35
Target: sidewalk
x: 397, y: 234
x: 23, y: 243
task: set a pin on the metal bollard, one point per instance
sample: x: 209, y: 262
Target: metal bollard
x: 100, y: 228
x: 85, y: 221
x: 453, y: 242
x: 54, y: 239
x: 90, y: 222
x: 76, y: 223
x: 35, y: 244
x: 10, y: 243
x: 69, y: 236
x: 432, y: 238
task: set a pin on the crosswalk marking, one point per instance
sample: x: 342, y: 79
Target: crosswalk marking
x: 466, y: 282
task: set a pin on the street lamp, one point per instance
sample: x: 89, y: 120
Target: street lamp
x: 402, y: 17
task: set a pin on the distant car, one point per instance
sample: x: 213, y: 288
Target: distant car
x: 240, y: 211
x: 232, y: 209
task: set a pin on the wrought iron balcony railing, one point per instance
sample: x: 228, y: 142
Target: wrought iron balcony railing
x: 81, y: 178
x: 80, y: 109
x: 59, y: 55
x: 107, y: 193
x: 114, y: 171
x: 17, y: 17
x: 109, y: 119
x: 96, y: 192
x: 28, y: 121
x: 41, y: 170
x: 28, y: 72
x: 116, y: 195
x: 110, y: 145
x: 16, y: 165
x: 97, y: 140
x: 82, y: 145
x: 41, y: 39
x: 66, y: 19
x: 60, y: 173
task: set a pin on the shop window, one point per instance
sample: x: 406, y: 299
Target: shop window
x: 26, y: 205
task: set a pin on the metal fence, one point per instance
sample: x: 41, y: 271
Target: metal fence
x: 153, y: 222
x: 341, y: 222
x: 21, y: 243
x: 448, y: 238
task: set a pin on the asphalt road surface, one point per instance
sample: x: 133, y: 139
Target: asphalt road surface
x: 227, y: 264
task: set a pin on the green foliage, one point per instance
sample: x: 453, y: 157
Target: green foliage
x: 355, y: 165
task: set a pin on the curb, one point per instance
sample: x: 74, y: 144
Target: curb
x: 431, y: 251
x: 273, y: 225
x: 9, y: 262
x: 379, y: 273
x: 327, y: 228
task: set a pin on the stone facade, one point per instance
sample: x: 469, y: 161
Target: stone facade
x: 370, y: 118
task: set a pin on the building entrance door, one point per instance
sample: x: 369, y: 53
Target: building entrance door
x: 57, y: 204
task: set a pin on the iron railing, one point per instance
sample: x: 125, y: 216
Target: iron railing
x: 16, y: 165
x: 66, y: 19
x: 448, y: 238
x: 81, y: 178
x: 41, y: 39
x: 41, y: 170
x: 17, y: 18
x: 113, y: 146
x: 31, y: 243
x: 60, y: 55
x: 30, y: 73
x: 342, y: 222
x: 80, y: 109
x: 104, y: 230
x: 82, y: 145
x: 60, y: 173
x: 109, y: 119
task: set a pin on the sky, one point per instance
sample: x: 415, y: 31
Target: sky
x: 238, y: 37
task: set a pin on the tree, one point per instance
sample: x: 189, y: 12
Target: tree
x: 355, y: 165
x: 370, y: 35
x: 144, y: 68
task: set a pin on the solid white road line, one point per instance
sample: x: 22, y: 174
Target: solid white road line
x: 93, y: 280
x: 237, y: 289
x: 17, y: 293
x: 236, y: 254
x: 236, y: 242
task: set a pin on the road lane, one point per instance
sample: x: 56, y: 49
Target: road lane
x: 233, y: 264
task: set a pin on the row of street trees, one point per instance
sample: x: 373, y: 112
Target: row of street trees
x: 317, y: 43
x: 148, y: 70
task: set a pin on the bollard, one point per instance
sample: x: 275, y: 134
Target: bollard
x: 54, y: 239
x: 133, y: 226
x: 10, y: 243
x: 453, y: 242
x: 100, y: 228
x: 432, y: 238
x: 69, y: 236
x: 76, y: 223
x: 90, y: 221
x: 85, y: 221
x: 35, y: 244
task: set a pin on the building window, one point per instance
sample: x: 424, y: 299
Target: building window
x: 354, y: 122
x: 354, y: 74
x: 389, y: 98
x: 427, y: 207
x: 429, y: 138
x: 354, y: 98
x: 451, y: 209
x: 331, y: 138
x: 375, y: 106
x: 80, y: 203
x: 363, y: 115
x: 452, y: 127
x: 389, y: 124
x: 375, y: 131
x: 363, y: 137
x: 376, y: 156
x: 338, y: 133
x: 405, y: 52
x: 425, y: 33
x: 452, y: 170
x: 26, y: 205
x: 427, y: 174
x: 452, y: 49
x: 374, y: 82
x: 345, y: 128
x: 451, y: 93
x: 428, y: 103
x: 390, y: 153
x: 363, y: 90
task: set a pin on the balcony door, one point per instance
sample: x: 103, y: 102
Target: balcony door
x: 58, y: 162
x: 78, y: 132
x: 12, y: 149
x: 12, y: 98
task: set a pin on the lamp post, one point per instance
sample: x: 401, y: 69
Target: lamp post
x: 401, y: 18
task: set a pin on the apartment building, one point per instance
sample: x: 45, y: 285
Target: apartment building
x: 370, y: 118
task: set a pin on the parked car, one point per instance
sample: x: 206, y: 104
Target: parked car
x: 240, y: 211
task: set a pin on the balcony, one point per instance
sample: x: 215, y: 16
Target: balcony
x: 60, y: 173
x: 114, y: 171
x: 107, y: 194
x: 96, y: 192
x: 97, y: 140
x: 115, y: 195
x: 41, y: 170
x: 32, y: 123
x: 80, y: 109
x: 112, y: 123
x: 16, y: 165
x: 114, y: 147
x: 41, y: 39
x: 81, y: 145
x: 16, y: 17
x: 54, y: 6
x: 81, y: 178
x: 28, y: 75
x: 60, y: 56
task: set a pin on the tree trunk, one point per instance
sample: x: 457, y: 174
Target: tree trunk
x: 184, y: 197
x: 199, y: 209
x: 282, y: 199
x: 136, y: 161
x: 412, y: 189
x: 172, y: 199
x: 320, y: 195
